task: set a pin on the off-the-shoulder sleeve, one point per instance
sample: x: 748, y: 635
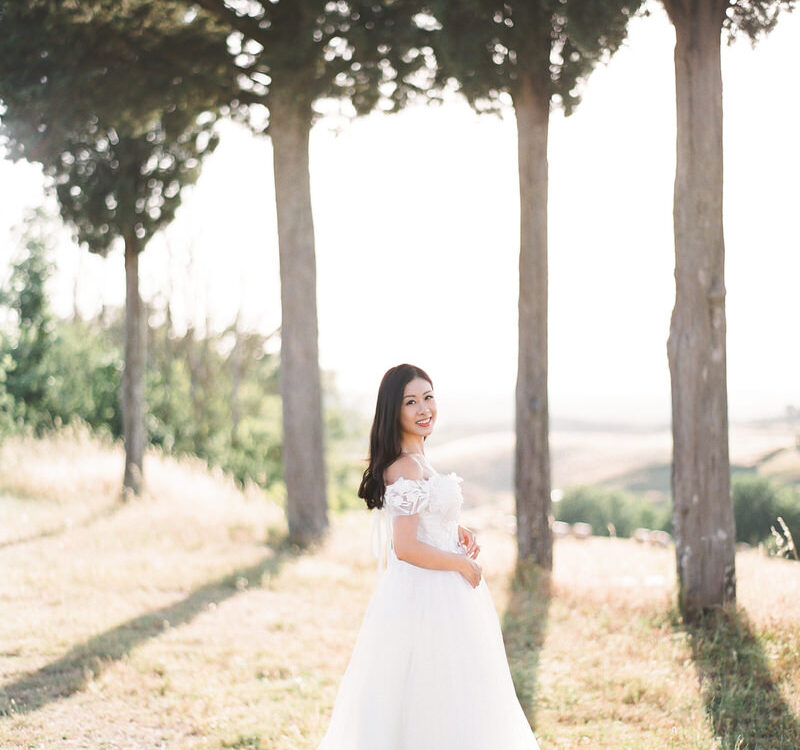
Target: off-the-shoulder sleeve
x: 407, y: 496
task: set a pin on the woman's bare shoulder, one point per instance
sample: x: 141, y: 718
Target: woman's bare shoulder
x: 405, y: 467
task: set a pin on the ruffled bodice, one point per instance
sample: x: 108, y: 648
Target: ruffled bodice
x: 437, y: 499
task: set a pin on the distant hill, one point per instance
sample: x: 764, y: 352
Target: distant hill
x: 634, y: 457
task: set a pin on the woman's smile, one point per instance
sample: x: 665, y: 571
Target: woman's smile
x: 417, y: 413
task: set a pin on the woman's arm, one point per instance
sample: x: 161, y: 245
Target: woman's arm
x: 409, y: 549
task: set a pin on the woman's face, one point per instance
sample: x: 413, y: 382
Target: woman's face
x: 418, y: 410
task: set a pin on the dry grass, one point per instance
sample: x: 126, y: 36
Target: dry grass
x: 182, y: 621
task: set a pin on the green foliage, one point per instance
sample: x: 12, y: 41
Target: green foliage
x: 216, y: 396
x: 754, y: 18
x: 26, y: 342
x: 600, y: 506
x: 244, y: 742
x: 87, y: 372
x: 489, y: 46
x: 66, y: 67
x: 757, y: 503
x: 344, y: 476
x: 189, y: 411
x: 7, y: 404
x: 345, y: 450
x: 366, y: 53
x: 55, y: 371
x: 118, y: 103
x: 51, y: 371
x: 112, y: 186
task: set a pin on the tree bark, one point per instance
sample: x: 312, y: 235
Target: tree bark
x: 301, y: 389
x: 702, y: 506
x: 133, y: 374
x: 532, y: 454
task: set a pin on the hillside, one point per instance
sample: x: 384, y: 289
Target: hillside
x: 183, y: 620
x: 632, y: 458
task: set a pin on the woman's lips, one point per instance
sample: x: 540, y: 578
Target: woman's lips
x: 424, y: 422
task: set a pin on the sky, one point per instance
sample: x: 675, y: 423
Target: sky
x: 417, y: 235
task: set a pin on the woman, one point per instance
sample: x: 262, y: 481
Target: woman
x: 429, y: 669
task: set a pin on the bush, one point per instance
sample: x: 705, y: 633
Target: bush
x: 86, y: 367
x: 25, y: 344
x: 600, y: 506
x: 757, y: 503
x: 8, y: 410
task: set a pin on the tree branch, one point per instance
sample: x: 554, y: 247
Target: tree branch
x: 247, y: 25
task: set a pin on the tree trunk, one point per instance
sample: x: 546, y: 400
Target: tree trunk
x: 532, y: 455
x: 301, y: 389
x: 702, y: 507
x: 133, y: 375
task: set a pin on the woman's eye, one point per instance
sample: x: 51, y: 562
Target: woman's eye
x: 429, y: 396
x: 408, y: 403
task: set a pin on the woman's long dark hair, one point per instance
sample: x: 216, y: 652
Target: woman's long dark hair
x: 384, y: 438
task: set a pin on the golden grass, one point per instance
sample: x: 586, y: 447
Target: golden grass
x: 182, y: 620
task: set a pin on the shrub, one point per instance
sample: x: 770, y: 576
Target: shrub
x: 600, y: 506
x: 757, y: 503
x: 7, y: 404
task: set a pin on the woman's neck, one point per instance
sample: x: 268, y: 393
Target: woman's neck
x: 415, y: 447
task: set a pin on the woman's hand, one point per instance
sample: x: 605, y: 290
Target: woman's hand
x: 467, y: 539
x: 471, y: 571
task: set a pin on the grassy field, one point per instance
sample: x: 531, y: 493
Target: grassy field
x: 184, y: 620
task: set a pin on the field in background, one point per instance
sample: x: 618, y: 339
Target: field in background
x: 636, y: 459
x: 184, y: 621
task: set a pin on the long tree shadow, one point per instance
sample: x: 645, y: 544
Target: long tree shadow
x: 62, y: 528
x: 87, y: 660
x: 524, y: 629
x: 742, y: 701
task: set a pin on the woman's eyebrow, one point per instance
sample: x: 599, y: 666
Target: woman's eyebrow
x: 414, y: 395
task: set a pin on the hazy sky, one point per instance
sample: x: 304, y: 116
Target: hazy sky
x: 416, y: 218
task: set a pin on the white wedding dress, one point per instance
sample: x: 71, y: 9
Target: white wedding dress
x: 429, y: 668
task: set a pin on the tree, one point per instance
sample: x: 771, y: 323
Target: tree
x: 111, y: 187
x: 111, y: 102
x: 534, y: 54
x: 702, y: 508
x: 293, y: 56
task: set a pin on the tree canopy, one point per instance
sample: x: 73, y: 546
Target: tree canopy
x: 68, y: 69
x: 364, y: 53
x: 488, y: 46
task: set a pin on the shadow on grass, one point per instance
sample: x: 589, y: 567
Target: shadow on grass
x: 87, y: 660
x: 743, y: 703
x: 524, y: 630
x: 62, y: 528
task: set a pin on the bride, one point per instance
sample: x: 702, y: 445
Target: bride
x: 429, y: 669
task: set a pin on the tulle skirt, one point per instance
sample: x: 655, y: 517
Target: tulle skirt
x: 428, y: 671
